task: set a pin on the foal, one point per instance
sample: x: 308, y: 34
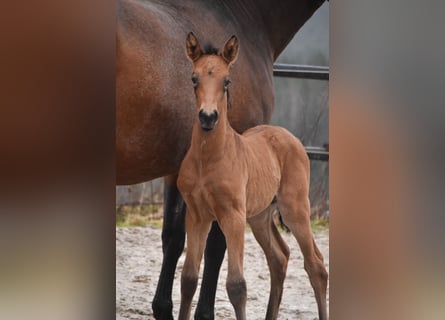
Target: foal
x: 232, y: 178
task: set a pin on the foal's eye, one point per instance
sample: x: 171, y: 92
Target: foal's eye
x: 195, y: 80
x: 226, y: 84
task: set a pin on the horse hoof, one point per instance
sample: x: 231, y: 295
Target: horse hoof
x: 162, y: 310
x: 204, y: 315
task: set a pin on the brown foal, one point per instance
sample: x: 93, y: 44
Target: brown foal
x: 233, y: 178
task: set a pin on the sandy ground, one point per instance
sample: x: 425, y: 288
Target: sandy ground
x: 138, y: 263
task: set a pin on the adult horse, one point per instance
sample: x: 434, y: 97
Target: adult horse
x: 155, y: 106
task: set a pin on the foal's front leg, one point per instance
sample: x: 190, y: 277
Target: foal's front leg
x: 233, y: 226
x: 197, y: 231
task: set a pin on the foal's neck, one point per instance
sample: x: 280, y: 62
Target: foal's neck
x: 213, y: 145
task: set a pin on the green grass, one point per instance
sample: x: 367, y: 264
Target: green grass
x: 320, y: 225
x: 137, y: 216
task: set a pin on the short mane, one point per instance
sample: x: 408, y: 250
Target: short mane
x: 210, y: 49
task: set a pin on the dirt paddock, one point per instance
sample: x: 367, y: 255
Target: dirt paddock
x: 138, y: 263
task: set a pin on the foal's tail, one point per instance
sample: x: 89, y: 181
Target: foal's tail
x: 282, y: 225
x: 280, y: 218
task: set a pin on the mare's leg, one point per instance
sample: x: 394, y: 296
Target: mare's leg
x: 213, y: 257
x: 233, y: 226
x: 277, y: 254
x: 197, y: 231
x: 173, y: 236
x: 295, y: 210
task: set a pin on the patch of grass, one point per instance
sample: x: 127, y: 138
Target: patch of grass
x: 137, y: 221
x: 120, y: 218
x: 148, y: 210
x: 320, y: 224
x: 137, y: 216
x: 157, y: 223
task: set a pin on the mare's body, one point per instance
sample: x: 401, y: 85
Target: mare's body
x: 155, y: 108
x: 232, y: 178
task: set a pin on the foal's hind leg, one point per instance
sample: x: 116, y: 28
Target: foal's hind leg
x: 295, y: 210
x: 277, y: 254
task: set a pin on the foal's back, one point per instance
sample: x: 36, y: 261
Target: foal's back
x: 273, y: 156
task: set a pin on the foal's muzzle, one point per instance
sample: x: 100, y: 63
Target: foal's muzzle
x: 207, y: 120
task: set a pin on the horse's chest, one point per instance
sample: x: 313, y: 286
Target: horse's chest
x: 196, y: 194
x: 208, y: 192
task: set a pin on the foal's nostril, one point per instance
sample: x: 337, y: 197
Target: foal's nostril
x: 202, y: 115
x: 207, y: 120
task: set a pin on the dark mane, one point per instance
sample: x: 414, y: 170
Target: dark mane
x: 210, y: 49
x: 229, y: 102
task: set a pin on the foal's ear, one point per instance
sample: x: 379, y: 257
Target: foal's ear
x: 193, y: 47
x: 230, y: 51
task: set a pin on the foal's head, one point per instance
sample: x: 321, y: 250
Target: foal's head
x: 211, y: 79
